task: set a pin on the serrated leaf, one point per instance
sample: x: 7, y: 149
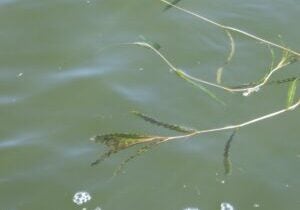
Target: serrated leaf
x: 281, y: 81
x: 272, y: 82
x: 163, y: 124
x: 139, y: 152
x: 119, y: 141
x: 291, y: 92
x: 103, y: 157
x: 226, y: 159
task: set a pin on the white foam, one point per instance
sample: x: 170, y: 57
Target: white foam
x: 226, y: 206
x: 81, y: 197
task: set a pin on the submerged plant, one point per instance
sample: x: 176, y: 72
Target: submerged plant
x: 120, y: 141
x: 226, y: 160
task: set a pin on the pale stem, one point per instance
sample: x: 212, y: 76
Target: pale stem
x: 229, y: 127
x: 232, y: 28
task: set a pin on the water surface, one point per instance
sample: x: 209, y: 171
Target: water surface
x: 60, y: 85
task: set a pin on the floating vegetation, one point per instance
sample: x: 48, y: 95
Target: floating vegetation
x: 170, y: 6
x: 139, y: 152
x: 272, y: 82
x: 291, y: 92
x: 190, y: 80
x: 226, y: 159
x: 163, y: 124
x: 155, y: 45
x: 229, y: 57
x: 120, y: 141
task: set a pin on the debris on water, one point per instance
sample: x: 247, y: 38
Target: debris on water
x: 20, y: 74
x: 251, y: 90
x: 226, y: 206
x: 81, y: 197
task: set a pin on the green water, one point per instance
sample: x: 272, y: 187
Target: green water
x: 59, y: 87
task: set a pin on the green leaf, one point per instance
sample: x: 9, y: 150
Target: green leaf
x: 170, y: 5
x: 232, y: 47
x: 183, y: 75
x: 226, y: 160
x: 271, y: 82
x: 156, y: 45
x: 119, y: 141
x: 163, y: 124
x: 291, y: 92
x: 139, y: 152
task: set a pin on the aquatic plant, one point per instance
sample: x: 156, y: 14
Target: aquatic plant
x: 121, y: 141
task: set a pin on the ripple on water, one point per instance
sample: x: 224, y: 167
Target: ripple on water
x: 77, y: 73
x: 17, y: 141
x: 6, y: 100
x: 135, y: 94
x: 3, y: 2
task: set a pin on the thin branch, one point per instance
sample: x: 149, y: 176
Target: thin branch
x: 229, y: 127
x: 246, y: 90
x: 232, y: 29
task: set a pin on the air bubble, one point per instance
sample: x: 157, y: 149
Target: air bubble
x: 81, y: 197
x: 226, y: 206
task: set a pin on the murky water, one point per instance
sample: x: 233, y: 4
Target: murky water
x: 60, y: 85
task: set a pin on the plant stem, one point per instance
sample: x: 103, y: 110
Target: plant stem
x: 229, y: 127
x: 232, y: 29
